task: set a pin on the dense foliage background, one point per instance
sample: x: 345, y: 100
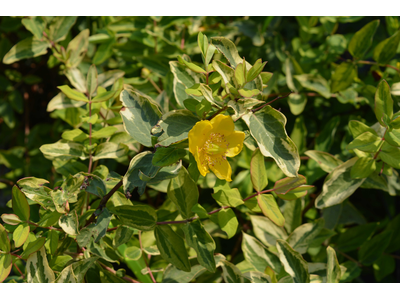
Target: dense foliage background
x: 303, y: 53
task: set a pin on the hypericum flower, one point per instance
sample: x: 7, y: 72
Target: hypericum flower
x: 211, y: 142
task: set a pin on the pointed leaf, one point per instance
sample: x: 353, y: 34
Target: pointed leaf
x: 267, y: 126
x: 142, y: 217
x: 172, y: 247
x: 20, y: 234
x: 38, y: 268
x: 201, y: 241
x: 362, y: 39
x: 20, y: 204
x: 386, y: 49
x: 339, y: 186
x: 270, y: 209
x: 228, y: 222
x: 293, y: 262
x: 139, y: 115
x: 301, y: 238
x: 258, y: 255
x: 91, y: 80
x: 383, y: 102
x: 333, y: 272
x: 27, y: 48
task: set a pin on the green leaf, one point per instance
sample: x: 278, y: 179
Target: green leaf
x: 66, y: 276
x: 20, y: 204
x: 240, y: 74
x: 78, y: 47
x: 35, y: 25
x: 139, y: 114
x: 333, y: 272
x: 73, y: 94
x: 228, y: 197
x: 301, y: 238
x: 270, y: 209
x: 371, y: 250
x: 324, y: 140
x: 266, y: 231
x: 292, y: 215
x: 287, y: 184
x: 4, y: 241
x: 133, y: 252
x: 362, y: 39
x: 258, y: 255
x: 27, y: 48
x: 226, y: 72
x: 38, y: 268
x: 228, y: 49
x: 122, y: 235
x: 267, y: 126
x: 390, y: 155
x: 208, y: 94
x: 96, y: 185
x: 357, y: 128
x: 142, y: 164
x: 354, y: 237
x: 393, y: 137
x: 201, y: 241
x: 200, y: 211
x: 203, y: 108
x: 338, y: 186
x: 384, y: 266
x: 5, y: 266
x: 52, y: 241
x: 246, y: 93
x: 32, y: 245
x: 297, y: 103
x: 386, y: 49
x: 10, y: 219
x: 63, y: 149
x: 104, y: 132
x: 20, y: 234
x: 383, y: 102
x: 293, y: 262
x: 366, y: 142
x: 231, y: 273
x: 352, y: 271
x: 176, y: 125
x: 183, y: 192
x: 110, y: 150
x: 255, y: 70
x: 91, y: 81
x: 81, y: 267
x: 172, y: 247
x: 60, y: 28
x: 191, y: 66
x: 326, y: 161
x: 228, y: 222
x: 343, y: 76
x: 364, y: 167
x: 173, y: 274
x: 142, y: 217
x: 102, y: 97
x: 69, y: 223
x: 314, y: 83
x: 167, y: 156
x: 75, y: 135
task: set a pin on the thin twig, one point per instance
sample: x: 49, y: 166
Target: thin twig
x: 50, y: 227
x: 22, y: 274
x: 365, y: 62
x: 350, y: 258
x: 217, y: 112
x: 277, y: 98
x: 115, y: 272
x: 103, y: 201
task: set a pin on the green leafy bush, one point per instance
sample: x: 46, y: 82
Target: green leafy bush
x: 156, y: 149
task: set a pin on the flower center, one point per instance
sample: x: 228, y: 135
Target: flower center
x: 216, y: 144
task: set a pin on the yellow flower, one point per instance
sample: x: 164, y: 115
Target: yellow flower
x: 211, y: 142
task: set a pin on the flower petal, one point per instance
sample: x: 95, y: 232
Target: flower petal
x: 202, y: 163
x: 235, y: 141
x: 198, y: 135
x: 221, y: 168
x: 223, y: 124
